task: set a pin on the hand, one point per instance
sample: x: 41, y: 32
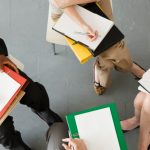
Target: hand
x: 92, y: 35
x: 74, y: 144
x: 6, y: 61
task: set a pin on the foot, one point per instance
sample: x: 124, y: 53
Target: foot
x: 99, y: 90
x: 48, y: 116
x: 137, y: 71
x: 129, y: 124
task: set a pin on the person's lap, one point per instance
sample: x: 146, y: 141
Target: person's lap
x: 55, y: 134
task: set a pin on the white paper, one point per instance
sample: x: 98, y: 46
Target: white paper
x: 145, y: 81
x: 8, y: 87
x: 97, y: 130
x: 140, y: 88
x: 67, y: 26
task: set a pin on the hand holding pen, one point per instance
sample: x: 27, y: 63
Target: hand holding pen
x: 91, y: 34
x: 74, y: 144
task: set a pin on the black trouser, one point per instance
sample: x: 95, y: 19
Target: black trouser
x: 36, y: 98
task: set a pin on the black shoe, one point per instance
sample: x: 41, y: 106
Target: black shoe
x: 148, y: 147
x: 18, y: 143
x: 48, y: 116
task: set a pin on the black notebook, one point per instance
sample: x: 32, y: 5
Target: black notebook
x: 109, y: 33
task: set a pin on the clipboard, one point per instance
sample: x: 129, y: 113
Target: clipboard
x: 73, y: 129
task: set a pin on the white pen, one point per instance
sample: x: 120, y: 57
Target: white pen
x: 83, y: 33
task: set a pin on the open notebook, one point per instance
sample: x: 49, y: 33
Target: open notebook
x: 66, y: 26
x: 145, y: 82
x: 99, y: 127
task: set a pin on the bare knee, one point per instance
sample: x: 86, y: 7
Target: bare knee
x: 139, y: 100
x: 146, y: 105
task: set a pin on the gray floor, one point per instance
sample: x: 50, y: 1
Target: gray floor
x: 69, y: 84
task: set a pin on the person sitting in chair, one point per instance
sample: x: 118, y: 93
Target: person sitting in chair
x: 36, y: 98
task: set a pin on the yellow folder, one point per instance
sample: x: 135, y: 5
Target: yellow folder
x: 81, y: 52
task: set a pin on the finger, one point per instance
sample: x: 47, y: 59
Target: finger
x: 66, y: 147
x: 92, y: 38
x: 66, y: 140
x: 12, y: 65
x: 70, y: 141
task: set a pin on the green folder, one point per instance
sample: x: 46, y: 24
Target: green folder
x: 73, y: 126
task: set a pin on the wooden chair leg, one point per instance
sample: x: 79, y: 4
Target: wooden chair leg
x: 54, y: 49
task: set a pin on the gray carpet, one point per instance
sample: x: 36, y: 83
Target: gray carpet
x: 69, y: 84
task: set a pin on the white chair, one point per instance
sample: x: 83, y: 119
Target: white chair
x: 55, y: 38
x: 52, y: 36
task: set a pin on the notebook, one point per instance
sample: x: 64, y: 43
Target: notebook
x: 11, y: 84
x: 114, y: 35
x: 145, y: 82
x: 71, y: 29
x: 99, y: 127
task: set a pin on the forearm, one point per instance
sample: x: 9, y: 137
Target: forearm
x: 67, y: 3
x: 71, y: 12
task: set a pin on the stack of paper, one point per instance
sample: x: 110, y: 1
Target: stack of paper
x: 10, y: 85
x: 97, y: 129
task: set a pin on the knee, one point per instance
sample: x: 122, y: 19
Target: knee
x: 146, y: 106
x: 36, y: 97
x: 7, y: 127
x: 138, y: 102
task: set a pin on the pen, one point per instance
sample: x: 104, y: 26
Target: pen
x: 83, y: 33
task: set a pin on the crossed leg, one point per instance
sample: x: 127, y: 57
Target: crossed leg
x: 142, y: 118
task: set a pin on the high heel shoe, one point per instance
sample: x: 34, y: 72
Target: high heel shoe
x: 99, y: 89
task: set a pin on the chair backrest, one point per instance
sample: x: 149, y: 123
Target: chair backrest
x: 51, y: 35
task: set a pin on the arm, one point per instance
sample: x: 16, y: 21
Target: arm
x: 75, y: 144
x: 71, y: 11
x: 66, y: 3
x: 3, y: 57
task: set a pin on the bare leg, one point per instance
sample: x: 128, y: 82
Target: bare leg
x: 137, y: 70
x: 134, y: 122
x: 144, y: 139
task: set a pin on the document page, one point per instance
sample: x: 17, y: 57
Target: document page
x: 8, y: 88
x: 145, y: 81
x: 97, y: 130
x: 67, y: 26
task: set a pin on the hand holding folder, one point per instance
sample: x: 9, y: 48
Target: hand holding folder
x: 99, y: 127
